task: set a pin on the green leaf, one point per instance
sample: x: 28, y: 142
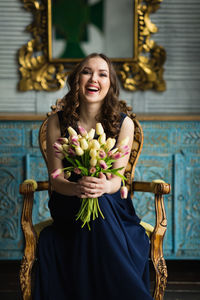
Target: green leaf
x: 85, y: 170
x: 78, y: 163
x: 68, y: 169
x: 118, y: 169
x: 71, y: 161
x: 109, y: 160
x: 120, y: 175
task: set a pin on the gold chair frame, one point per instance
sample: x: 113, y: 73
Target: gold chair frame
x: 156, y: 237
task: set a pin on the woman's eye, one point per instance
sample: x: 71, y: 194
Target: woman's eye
x: 86, y: 72
x: 103, y: 74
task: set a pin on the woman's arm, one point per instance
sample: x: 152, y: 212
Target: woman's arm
x: 92, y: 187
x: 59, y: 184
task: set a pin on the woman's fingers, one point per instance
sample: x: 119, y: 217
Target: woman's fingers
x: 92, y: 187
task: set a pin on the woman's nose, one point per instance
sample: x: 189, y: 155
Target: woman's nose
x: 94, y: 77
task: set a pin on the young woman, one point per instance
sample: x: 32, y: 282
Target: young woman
x: 110, y: 261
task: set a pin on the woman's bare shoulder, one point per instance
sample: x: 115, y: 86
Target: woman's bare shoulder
x: 53, y: 127
x: 53, y: 121
x: 128, y: 123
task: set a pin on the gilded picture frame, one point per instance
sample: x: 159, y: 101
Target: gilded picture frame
x: 144, y: 71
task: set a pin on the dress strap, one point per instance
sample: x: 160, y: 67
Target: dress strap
x: 60, y: 117
x: 123, y: 116
x: 60, y: 114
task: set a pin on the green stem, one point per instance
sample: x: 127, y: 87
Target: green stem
x: 89, y: 206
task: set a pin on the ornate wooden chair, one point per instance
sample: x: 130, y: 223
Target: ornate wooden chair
x: 156, y: 234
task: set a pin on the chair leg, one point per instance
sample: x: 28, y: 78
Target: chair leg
x: 157, y: 248
x: 25, y: 278
x: 30, y: 242
x: 161, y: 278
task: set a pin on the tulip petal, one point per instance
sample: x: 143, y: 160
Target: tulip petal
x: 124, y: 192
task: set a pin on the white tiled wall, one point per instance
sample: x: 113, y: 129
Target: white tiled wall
x: 179, y: 32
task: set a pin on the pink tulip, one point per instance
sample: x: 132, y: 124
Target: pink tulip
x: 62, y: 140
x: 57, y: 147
x: 108, y: 175
x: 56, y: 173
x: 77, y: 171
x: 102, y: 153
x: 116, y: 155
x: 103, y: 165
x: 126, y: 153
x: 111, y: 152
x: 124, y: 148
x: 59, y: 155
x: 74, y: 140
x: 71, y: 152
x: 82, y: 131
x: 92, y: 170
x: 124, y: 192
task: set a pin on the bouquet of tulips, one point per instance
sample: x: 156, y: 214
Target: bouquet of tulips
x: 88, y: 156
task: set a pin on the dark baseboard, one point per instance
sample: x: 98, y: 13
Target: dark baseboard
x: 180, y: 270
x: 183, y: 277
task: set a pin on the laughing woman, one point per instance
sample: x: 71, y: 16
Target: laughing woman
x: 110, y: 261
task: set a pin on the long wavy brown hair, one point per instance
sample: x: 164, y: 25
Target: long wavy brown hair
x: 109, y: 115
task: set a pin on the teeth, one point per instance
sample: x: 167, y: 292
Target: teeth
x: 93, y: 89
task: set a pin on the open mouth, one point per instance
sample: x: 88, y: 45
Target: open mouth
x: 92, y: 89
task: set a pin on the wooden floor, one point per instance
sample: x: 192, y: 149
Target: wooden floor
x: 183, y: 280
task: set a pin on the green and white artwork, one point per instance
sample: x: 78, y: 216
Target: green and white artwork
x: 80, y: 27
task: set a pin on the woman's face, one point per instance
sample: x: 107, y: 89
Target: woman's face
x: 94, y: 80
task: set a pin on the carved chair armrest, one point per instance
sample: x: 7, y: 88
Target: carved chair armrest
x: 159, y: 188
x: 27, y: 189
x: 156, y: 187
x: 31, y: 185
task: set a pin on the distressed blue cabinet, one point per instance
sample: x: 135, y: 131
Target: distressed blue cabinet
x: 171, y: 152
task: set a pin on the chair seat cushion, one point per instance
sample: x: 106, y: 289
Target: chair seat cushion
x: 148, y: 228
x: 40, y: 226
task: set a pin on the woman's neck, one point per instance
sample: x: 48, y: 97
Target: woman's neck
x: 88, y: 115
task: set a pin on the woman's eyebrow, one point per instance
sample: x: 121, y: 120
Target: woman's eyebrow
x: 101, y: 70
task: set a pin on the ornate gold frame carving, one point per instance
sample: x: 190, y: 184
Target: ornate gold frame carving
x: 142, y: 72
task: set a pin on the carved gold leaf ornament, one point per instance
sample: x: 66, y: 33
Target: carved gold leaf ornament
x: 147, y: 72
x: 143, y: 72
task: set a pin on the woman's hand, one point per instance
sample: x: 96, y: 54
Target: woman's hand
x: 92, y: 187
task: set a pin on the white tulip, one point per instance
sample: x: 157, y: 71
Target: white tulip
x: 95, y: 144
x: 102, y: 139
x: 91, y: 134
x: 84, y: 144
x: 93, y: 162
x: 124, y: 141
x: 110, y: 143
x: 99, y: 129
x: 71, y: 131
x: 93, y: 153
x: 79, y: 151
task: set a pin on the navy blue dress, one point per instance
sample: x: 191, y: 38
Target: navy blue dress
x: 109, y: 262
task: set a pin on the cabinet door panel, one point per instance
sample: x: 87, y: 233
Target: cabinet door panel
x: 11, y: 174
x: 187, y: 205
x: 37, y: 170
x: 149, y: 168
